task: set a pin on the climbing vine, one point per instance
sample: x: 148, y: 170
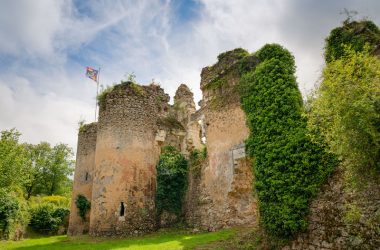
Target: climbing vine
x: 171, y: 181
x: 288, y: 167
x: 83, y: 206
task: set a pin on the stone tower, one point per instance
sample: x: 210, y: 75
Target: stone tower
x: 84, y: 173
x: 125, y: 160
x: 225, y: 186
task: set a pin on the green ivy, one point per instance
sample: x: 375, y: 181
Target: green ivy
x: 236, y: 53
x: 288, y: 167
x: 171, y: 181
x: 353, y: 34
x: 196, y: 158
x: 83, y: 206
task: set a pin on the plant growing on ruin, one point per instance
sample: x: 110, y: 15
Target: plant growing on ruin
x: 171, y: 181
x: 346, y: 110
x: 354, y: 34
x: 288, y: 167
x: 83, y: 205
x: 196, y: 158
x: 101, y: 97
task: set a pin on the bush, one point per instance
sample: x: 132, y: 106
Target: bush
x: 57, y: 200
x: 83, y: 206
x: 46, y: 218
x: 13, y: 215
x: 288, y: 167
x: 171, y: 181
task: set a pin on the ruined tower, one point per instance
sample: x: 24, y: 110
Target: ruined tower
x: 84, y: 173
x: 117, y: 157
x: 125, y: 161
x: 225, y: 186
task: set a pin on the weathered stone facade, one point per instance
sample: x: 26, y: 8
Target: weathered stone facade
x: 224, y: 187
x: 341, y: 218
x: 83, y: 178
x: 135, y: 122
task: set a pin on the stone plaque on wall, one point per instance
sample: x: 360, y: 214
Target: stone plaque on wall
x: 238, y: 152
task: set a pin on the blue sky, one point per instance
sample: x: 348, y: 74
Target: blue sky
x: 45, y: 46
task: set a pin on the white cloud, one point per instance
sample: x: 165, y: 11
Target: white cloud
x: 43, y: 91
x: 46, y: 117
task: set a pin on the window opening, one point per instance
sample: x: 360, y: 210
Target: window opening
x: 121, y: 208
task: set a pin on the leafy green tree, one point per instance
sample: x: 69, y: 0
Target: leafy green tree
x: 288, y: 167
x: 12, y: 159
x: 37, y: 159
x: 171, y: 181
x: 346, y: 109
x: 59, y: 166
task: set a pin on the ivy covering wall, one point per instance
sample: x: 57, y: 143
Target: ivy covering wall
x: 172, y: 171
x: 288, y: 167
x: 354, y: 34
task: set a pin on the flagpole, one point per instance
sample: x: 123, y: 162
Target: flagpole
x: 97, y: 91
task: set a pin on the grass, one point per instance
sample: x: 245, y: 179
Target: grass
x: 160, y: 240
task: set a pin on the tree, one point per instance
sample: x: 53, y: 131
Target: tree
x: 57, y: 169
x: 12, y: 160
x: 38, y: 158
x: 346, y: 109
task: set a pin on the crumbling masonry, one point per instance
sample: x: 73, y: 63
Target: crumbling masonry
x: 117, y: 156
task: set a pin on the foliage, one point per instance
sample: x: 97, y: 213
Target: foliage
x: 196, y: 159
x: 346, y: 109
x: 352, y: 215
x: 354, y: 34
x: 12, y: 159
x: 237, y: 53
x: 13, y: 214
x: 171, y: 181
x: 59, y: 166
x: 288, y: 167
x: 26, y: 171
x: 46, y: 218
x: 101, y: 97
x: 83, y: 205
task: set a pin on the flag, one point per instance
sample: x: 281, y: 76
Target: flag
x: 92, y: 73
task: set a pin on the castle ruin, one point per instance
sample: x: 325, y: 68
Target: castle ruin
x: 117, y: 156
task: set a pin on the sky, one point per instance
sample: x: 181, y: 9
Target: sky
x: 46, y: 45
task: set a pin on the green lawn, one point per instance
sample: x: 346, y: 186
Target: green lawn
x: 160, y: 240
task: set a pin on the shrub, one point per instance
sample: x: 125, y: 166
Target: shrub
x: 83, y: 205
x: 288, y: 167
x: 13, y: 215
x: 171, y: 181
x: 57, y: 200
x: 46, y: 218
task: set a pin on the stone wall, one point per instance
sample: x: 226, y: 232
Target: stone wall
x: 84, y: 173
x: 341, y: 218
x: 225, y: 198
x: 125, y: 161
